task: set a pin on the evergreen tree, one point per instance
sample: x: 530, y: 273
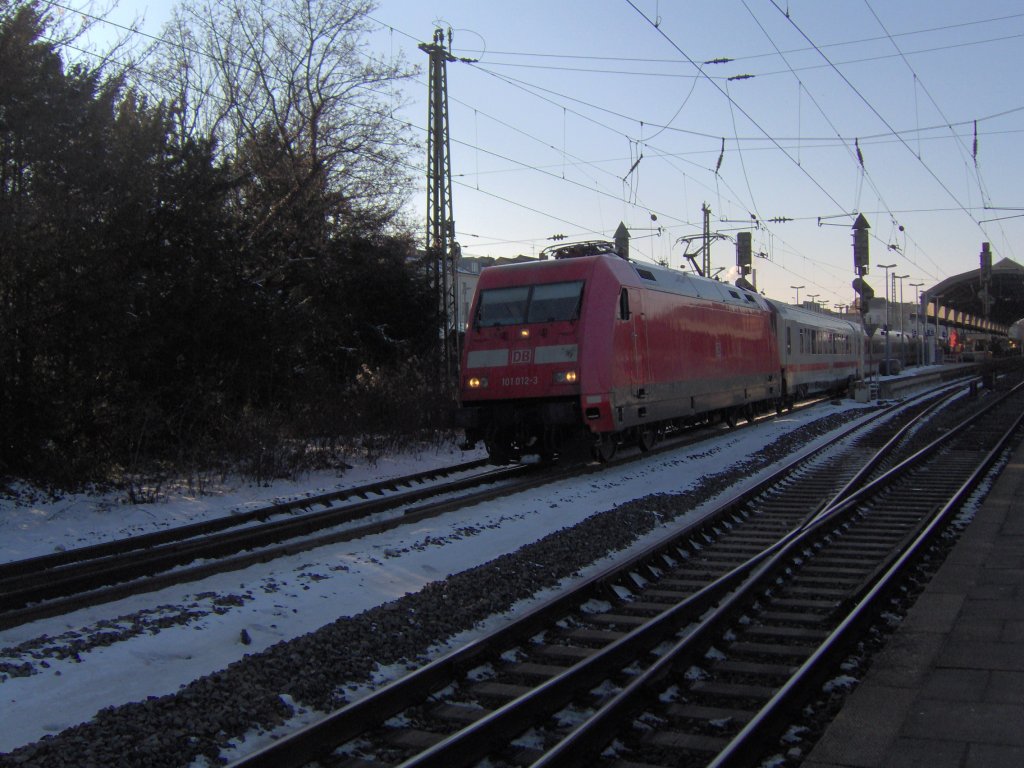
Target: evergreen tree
x: 164, y: 297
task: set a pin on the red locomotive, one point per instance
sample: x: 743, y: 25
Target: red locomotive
x: 587, y: 348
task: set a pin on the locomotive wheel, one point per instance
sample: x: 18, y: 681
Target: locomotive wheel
x: 645, y: 439
x: 498, y: 453
x: 729, y: 417
x: 604, y: 448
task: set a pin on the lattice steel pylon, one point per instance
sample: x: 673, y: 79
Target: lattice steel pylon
x: 442, y: 251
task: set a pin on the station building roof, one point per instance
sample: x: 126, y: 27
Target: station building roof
x: 962, y: 299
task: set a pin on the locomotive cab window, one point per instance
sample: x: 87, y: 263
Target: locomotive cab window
x: 552, y: 302
x: 503, y: 306
x: 521, y: 304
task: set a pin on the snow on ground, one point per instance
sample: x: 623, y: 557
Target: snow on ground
x: 177, y: 634
x: 39, y: 527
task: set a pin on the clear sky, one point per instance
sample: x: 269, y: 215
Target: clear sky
x: 578, y: 114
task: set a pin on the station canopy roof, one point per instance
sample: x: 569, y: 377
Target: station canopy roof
x: 964, y: 295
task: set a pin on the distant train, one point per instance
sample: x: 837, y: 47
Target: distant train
x: 589, y: 349
x: 903, y: 350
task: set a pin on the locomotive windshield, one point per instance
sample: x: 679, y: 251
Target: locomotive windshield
x: 543, y: 303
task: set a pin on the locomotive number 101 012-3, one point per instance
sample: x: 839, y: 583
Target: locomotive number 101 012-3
x: 519, y: 381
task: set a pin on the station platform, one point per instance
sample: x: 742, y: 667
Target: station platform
x: 947, y: 691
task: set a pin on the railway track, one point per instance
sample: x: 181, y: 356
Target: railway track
x: 698, y: 651
x: 58, y: 583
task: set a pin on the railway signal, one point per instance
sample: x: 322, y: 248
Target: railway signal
x: 860, y: 245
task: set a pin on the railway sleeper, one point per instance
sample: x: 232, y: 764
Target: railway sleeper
x: 721, y: 559
x: 754, y: 668
x: 843, y: 549
x: 689, y: 578
x: 497, y: 692
x: 792, y: 591
x: 459, y: 715
x: 412, y: 738
x: 797, y: 497
x: 822, y: 569
x: 895, y: 511
x: 645, y: 608
x: 678, y: 740
x: 570, y: 653
x: 797, y: 618
x: 886, y: 522
x: 734, y: 547
x: 785, y: 633
x: 842, y: 568
x: 705, y: 715
x: 617, y: 619
x: 594, y: 637
x: 817, y: 575
x: 752, y: 649
x: 535, y: 671
x: 524, y: 756
x: 673, y: 595
x: 739, y: 691
x: 871, y: 524
x: 756, y: 541
x: 827, y: 562
x: 777, y: 527
x: 875, y: 538
x: 823, y: 605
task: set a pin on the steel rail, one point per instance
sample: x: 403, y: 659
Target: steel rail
x: 47, y: 562
x: 116, y: 578
x: 306, y: 744
x: 60, y: 582
x: 766, y: 723
x: 582, y: 745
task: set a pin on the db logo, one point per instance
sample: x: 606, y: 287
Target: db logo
x: 521, y: 355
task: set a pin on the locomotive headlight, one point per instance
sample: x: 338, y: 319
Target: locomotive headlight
x: 524, y: 333
x: 475, y: 382
x: 565, y: 377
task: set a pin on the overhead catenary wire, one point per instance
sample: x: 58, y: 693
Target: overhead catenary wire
x: 856, y: 152
x: 408, y: 124
x: 754, y: 56
x: 596, y: 170
x: 918, y: 82
x: 874, y: 110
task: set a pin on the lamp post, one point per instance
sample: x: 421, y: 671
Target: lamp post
x: 886, y: 267
x: 917, y: 322
x: 812, y: 297
x: 901, y: 278
x: 797, y: 289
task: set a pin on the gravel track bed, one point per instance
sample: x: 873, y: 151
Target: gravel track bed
x: 313, y: 672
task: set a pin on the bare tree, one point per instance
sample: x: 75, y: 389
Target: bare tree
x: 291, y: 93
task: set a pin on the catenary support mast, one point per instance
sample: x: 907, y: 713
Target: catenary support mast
x: 442, y: 250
